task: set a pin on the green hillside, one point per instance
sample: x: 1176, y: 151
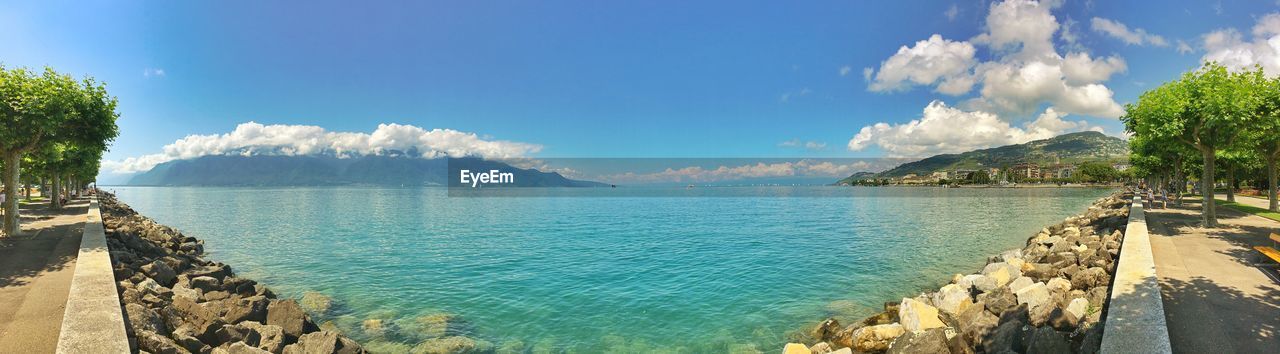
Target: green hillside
x: 1073, y: 148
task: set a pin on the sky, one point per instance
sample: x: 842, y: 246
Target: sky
x: 623, y: 79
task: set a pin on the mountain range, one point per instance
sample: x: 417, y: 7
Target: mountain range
x: 1072, y: 148
x: 321, y: 170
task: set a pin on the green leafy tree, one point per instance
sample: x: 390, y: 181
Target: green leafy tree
x: 1204, y: 109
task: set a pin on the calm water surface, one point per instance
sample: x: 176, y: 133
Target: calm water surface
x: 740, y: 268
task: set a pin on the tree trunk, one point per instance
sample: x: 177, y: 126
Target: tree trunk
x: 1209, y: 215
x: 11, y: 161
x: 1271, y: 182
x: 1179, y: 179
x: 56, y: 203
x: 1231, y: 184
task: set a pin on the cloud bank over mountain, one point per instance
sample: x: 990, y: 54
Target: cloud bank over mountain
x: 253, y: 138
x: 1023, y: 71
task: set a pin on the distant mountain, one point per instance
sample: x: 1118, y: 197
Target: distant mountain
x: 223, y: 170
x: 1071, y: 148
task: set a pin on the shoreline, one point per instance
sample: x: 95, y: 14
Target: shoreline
x: 175, y: 301
x: 1048, y: 296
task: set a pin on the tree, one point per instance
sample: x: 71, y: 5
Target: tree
x: 1263, y: 136
x: 1097, y: 172
x: 1204, y: 109
x: 51, y: 109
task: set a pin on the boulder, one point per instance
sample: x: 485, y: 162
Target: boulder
x: 1002, y: 272
x: 191, y: 344
x: 1048, y: 341
x: 324, y: 342
x: 976, y: 323
x: 202, y: 322
x: 821, y: 348
x: 1092, y: 342
x: 1059, y: 285
x: 1062, y: 320
x: 271, y: 338
x: 1018, y: 284
x: 161, y: 272
x: 875, y: 338
x: 183, y: 290
x: 316, y: 303
x: 825, y: 330
x: 141, y: 319
x: 1078, y: 307
x: 206, y: 283
x: 451, y: 344
x: 157, y: 343
x: 952, y: 298
x: 1090, y: 278
x: 999, y: 300
x: 1034, y: 295
x: 253, y: 308
x: 235, y: 333
x: 918, y: 316
x: 984, y: 283
x: 930, y: 341
x: 291, y: 319
x: 1007, y: 338
x: 795, y: 348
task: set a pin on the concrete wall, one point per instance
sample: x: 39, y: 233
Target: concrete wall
x: 1135, y: 320
x: 93, y: 322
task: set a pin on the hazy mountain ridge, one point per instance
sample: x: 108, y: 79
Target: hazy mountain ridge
x: 322, y: 170
x: 1070, y: 148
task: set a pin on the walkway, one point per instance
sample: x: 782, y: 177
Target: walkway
x: 35, y: 276
x: 1215, y: 299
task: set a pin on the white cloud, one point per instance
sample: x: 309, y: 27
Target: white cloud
x: 952, y: 12
x: 866, y: 73
x: 257, y: 139
x: 808, y: 145
x: 786, y: 97
x: 1079, y: 68
x: 928, y: 61
x: 844, y: 70
x: 802, y: 168
x: 1136, y: 36
x: 1025, y: 72
x: 1228, y: 47
x: 153, y: 72
x: 1183, y: 47
x: 1023, y: 27
x: 935, y: 132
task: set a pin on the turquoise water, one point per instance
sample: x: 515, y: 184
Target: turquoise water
x: 592, y: 274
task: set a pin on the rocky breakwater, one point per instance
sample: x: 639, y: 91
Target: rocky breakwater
x: 177, y: 302
x: 1047, y: 297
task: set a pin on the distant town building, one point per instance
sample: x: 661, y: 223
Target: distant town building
x: 940, y: 175
x: 1059, y: 171
x: 1025, y: 170
x: 961, y: 174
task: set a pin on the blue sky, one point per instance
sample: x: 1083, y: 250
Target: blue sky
x: 595, y: 79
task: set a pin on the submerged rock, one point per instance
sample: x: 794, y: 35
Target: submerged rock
x: 316, y: 303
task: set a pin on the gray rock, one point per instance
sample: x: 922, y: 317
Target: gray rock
x: 271, y: 338
x: 875, y: 338
x: 918, y: 316
x: 1006, y: 338
x: 291, y: 319
x: 161, y: 272
x: 191, y: 344
x: 999, y: 300
x: 202, y: 322
x: 206, y: 283
x: 157, y: 343
x: 1041, y: 271
x: 239, y: 348
x: 930, y: 341
x: 976, y: 323
x: 253, y: 308
x: 1048, y: 341
x: 142, y: 319
x: 1090, y: 278
x: 1092, y: 342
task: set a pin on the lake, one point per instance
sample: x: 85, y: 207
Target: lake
x: 598, y: 270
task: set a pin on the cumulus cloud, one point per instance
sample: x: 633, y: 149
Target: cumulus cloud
x: 1136, y: 36
x: 1183, y: 47
x: 699, y: 174
x: 152, y: 72
x: 935, y: 132
x: 1025, y: 72
x: 807, y: 145
x: 1229, y: 48
x: 252, y: 138
x: 932, y: 60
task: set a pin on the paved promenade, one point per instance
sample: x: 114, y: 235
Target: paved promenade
x: 36, y: 268
x: 1216, y: 299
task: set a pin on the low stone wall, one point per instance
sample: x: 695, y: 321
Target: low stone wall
x: 177, y: 302
x: 1046, y: 297
x: 93, y: 322
x: 1135, y: 316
